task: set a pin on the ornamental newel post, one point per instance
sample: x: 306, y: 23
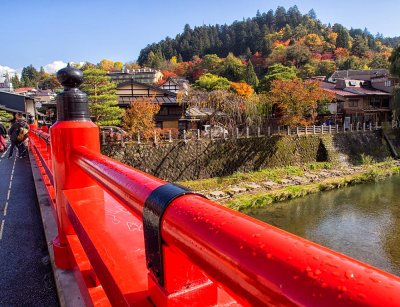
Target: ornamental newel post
x: 72, y: 130
x: 72, y: 103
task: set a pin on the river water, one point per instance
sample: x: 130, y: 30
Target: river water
x: 362, y: 221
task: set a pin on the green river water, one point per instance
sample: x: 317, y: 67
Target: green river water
x: 362, y: 221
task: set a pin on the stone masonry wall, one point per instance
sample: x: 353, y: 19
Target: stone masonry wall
x: 204, y: 159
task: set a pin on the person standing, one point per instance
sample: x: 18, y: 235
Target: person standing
x: 3, y: 135
x: 14, y: 131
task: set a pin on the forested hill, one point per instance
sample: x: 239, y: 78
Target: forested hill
x: 263, y: 34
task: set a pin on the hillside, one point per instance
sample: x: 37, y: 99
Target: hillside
x: 281, y: 36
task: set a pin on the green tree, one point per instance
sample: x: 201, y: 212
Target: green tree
x: 212, y: 63
x: 360, y: 46
x: 298, y: 54
x: 210, y: 82
x: 250, y: 75
x: 394, y: 60
x: 379, y: 61
x: 352, y: 62
x: 5, y: 117
x: 343, y: 38
x: 233, y: 68
x: 29, y: 76
x: 325, y: 68
x: 277, y: 72
x: 16, y: 83
x: 103, y: 103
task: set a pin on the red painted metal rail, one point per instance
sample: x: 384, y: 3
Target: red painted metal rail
x: 213, y: 255
x: 134, y: 240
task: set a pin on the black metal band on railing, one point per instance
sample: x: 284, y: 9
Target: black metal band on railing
x: 153, y: 210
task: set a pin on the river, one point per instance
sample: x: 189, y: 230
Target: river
x: 362, y: 221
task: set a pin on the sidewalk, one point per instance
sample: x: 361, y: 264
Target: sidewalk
x: 26, y: 277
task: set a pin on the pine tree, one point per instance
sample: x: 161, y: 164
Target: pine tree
x: 103, y: 104
x: 16, y: 83
x: 250, y: 75
x: 29, y: 76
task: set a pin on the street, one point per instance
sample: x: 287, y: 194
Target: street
x: 26, y: 277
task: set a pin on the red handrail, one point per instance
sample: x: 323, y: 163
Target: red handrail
x: 255, y: 262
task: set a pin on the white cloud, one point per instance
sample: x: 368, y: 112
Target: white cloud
x: 11, y: 72
x: 54, y: 66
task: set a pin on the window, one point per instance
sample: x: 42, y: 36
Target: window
x: 385, y: 103
x: 163, y: 110
x: 388, y: 83
x: 353, y: 103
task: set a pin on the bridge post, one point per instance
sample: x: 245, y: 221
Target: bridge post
x: 73, y: 129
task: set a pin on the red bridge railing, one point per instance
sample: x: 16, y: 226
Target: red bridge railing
x: 133, y: 239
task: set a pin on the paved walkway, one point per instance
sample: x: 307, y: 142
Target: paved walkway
x: 26, y: 277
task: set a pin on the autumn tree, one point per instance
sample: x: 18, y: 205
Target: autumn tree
x: 298, y: 54
x: 107, y: 65
x: 131, y: 65
x: 277, y: 72
x: 242, y: 89
x: 103, y: 102
x: 139, y: 117
x: 227, y: 107
x: 210, y: 82
x: 296, y: 101
x: 212, y: 63
x: 232, y: 68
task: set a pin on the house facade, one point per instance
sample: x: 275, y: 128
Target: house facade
x: 359, y: 102
x: 175, y: 85
x: 6, y: 85
x: 17, y: 103
x: 170, y: 115
x: 143, y: 75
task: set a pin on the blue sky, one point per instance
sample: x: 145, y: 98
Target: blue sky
x: 43, y: 31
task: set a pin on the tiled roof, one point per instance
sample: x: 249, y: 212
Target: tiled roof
x: 24, y: 89
x: 158, y: 99
x: 351, y: 91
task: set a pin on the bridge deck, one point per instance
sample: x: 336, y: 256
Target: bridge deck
x: 26, y: 277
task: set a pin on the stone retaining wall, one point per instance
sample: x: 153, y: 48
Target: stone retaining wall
x: 205, y: 158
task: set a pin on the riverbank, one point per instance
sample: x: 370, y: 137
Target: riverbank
x: 259, y: 189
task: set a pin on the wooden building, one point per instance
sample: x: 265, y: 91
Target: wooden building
x: 171, y: 113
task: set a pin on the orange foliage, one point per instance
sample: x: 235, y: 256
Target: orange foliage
x: 242, y: 89
x: 316, y: 56
x: 297, y: 100
x: 279, y: 43
x: 342, y: 53
x: 106, y: 65
x: 181, y: 68
x: 139, y: 118
x: 167, y: 74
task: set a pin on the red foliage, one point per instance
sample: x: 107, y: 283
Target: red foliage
x: 328, y: 56
x: 316, y: 56
x: 257, y: 59
x: 167, y: 74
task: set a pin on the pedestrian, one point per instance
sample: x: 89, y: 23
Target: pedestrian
x: 18, y: 132
x: 3, y: 135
